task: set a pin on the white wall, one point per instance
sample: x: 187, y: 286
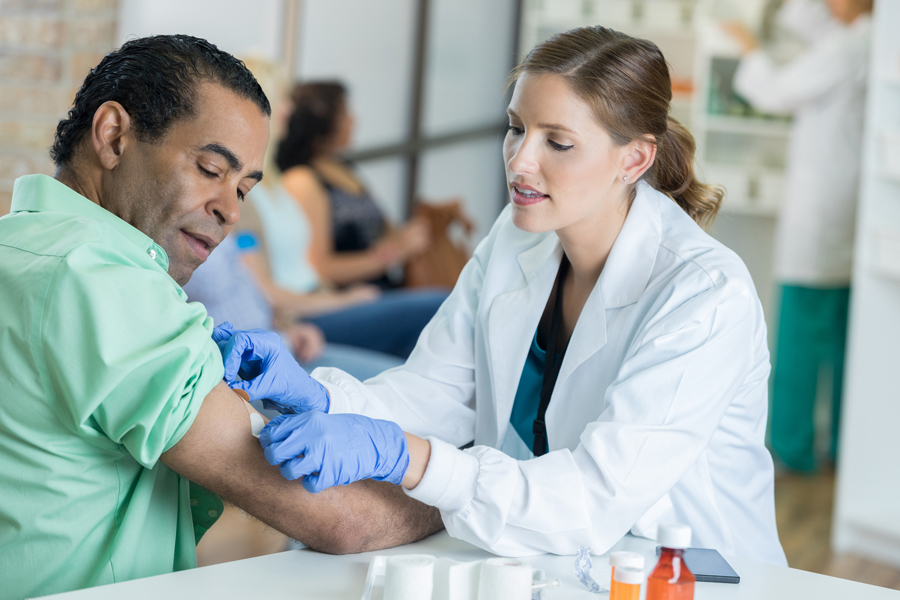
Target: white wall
x: 240, y: 27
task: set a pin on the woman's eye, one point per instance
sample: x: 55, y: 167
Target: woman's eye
x: 515, y: 130
x: 240, y: 195
x: 560, y: 147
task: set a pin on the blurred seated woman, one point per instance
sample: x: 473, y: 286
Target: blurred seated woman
x: 351, y: 240
x: 359, y: 315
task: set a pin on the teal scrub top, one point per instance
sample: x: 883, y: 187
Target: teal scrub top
x: 528, y: 394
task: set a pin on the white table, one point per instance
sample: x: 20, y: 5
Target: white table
x: 307, y: 574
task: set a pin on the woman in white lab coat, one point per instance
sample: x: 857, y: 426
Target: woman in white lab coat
x: 658, y: 409
x: 824, y: 89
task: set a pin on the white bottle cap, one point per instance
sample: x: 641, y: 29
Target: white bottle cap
x: 622, y: 558
x: 675, y: 536
x: 629, y: 575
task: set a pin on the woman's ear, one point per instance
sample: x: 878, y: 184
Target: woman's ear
x: 111, y: 134
x: 638, y: 156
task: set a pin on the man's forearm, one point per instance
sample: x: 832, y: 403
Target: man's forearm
x: 389, y: 518
x: 219, y: 453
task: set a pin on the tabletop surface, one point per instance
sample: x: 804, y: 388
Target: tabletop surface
x: 307, y: 574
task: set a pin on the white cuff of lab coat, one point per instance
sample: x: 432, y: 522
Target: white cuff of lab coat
x: 449, y: 480
x: 339, y: 400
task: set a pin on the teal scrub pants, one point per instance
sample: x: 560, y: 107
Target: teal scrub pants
x: 812, y: 332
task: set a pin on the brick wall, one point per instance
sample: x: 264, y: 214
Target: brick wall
x: 46, y: 49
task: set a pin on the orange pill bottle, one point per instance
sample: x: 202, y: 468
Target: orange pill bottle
x: 670, y: 578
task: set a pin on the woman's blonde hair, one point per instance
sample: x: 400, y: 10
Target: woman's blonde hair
x: 626, y: 82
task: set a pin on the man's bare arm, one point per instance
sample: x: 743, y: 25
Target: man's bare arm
x: 219, y: 453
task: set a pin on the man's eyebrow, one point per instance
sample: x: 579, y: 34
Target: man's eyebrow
x: 554, y: 126
x: 233, y: 161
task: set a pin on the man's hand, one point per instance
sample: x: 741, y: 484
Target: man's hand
x: 270, y: 373
x: 329, y: 450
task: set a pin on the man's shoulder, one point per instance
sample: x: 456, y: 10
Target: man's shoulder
x: 50, y: 233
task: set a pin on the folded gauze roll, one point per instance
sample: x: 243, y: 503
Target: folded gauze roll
x: 504, y: 579
x: 454, y: 580
x: 409, y: 577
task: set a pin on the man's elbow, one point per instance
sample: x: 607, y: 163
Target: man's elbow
x: 352, y: 534
x: 358, y: 531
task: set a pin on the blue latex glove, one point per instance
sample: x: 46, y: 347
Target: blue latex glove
x: 270, y: 373
x: 329, y: 450
x: 221, y: 334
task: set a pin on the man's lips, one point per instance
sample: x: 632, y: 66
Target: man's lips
x: 524, y: 195
x: 200, y: 244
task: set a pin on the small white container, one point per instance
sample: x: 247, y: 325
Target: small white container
x: 771, y: 189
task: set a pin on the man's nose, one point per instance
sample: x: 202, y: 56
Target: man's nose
x: 226, y: 208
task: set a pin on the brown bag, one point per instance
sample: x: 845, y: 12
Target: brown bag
x: 443, y: 261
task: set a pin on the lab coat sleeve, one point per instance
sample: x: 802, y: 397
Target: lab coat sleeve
x: 818, y: 71
x: 676, y: 383
x: 433, y: 393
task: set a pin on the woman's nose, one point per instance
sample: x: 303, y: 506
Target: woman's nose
x: 522, y: 159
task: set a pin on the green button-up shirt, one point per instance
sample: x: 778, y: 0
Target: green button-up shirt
x: 103, y: 367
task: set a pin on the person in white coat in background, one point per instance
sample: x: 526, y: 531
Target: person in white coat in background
x: 824, y: 88
x: 654, y: 408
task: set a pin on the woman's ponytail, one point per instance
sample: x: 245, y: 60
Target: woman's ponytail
x: 673, y: 173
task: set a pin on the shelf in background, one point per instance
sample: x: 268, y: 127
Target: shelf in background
x: 637, y: 29
x: 746, y: 126
x: 749, y: 209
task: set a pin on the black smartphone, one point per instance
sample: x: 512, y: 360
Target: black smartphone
x: 708, y: 565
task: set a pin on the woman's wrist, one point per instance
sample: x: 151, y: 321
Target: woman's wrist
x: 419, y: 455
x: 386, y: 254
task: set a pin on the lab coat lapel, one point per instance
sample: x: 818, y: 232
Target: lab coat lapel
x: 512, y: 321
x: 587, y: 339
x: 623, y: 279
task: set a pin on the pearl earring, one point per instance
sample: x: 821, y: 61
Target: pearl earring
x: 625, y: 178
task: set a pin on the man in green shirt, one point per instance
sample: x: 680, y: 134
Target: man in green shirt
x: 111, y: 394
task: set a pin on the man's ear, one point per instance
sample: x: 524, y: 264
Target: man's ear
x: 638, y: 156
x: 111, y: 133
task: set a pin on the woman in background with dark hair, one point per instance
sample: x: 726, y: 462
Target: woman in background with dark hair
x: 605, y: 354
x: 365, y: 316
x: 351, y: 241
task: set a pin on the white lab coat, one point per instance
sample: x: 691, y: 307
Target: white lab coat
x: 824, y: 88
x: 658, y: 414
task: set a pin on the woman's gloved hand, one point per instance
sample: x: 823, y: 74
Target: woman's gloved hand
x: 270, y: 373
x: 221, y: 334
x: 329, y: 450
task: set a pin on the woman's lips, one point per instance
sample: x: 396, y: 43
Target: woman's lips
x: 524, y: 195
x: 198, y: 246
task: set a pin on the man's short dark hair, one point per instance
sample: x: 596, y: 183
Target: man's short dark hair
x: 155, y: 79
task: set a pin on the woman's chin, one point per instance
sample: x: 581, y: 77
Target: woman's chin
x: 527, y: 219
